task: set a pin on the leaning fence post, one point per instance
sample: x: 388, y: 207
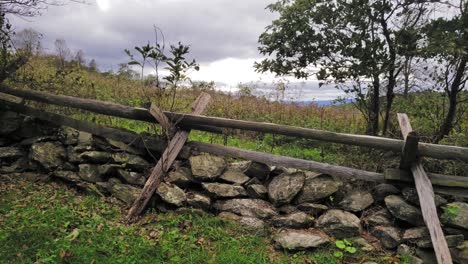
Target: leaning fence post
x: 168, y: 157
x: 426, y: 198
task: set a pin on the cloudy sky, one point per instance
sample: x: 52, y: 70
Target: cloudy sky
x: 223, y: 35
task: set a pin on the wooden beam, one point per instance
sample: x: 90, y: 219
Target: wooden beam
x: 158, y: 114
x: 168, y: 157
x: 270, y: 159
x: 214, y: 124
x: 410, y: 151
x: 426, y: 200
x: 436, y: 179
x: 142, y: 142
x: 158, y: 145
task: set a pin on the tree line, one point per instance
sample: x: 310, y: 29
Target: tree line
x: 374, y: 50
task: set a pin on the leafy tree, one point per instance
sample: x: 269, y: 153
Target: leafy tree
x: 63, y: 52
x: 353, y: 44
x: 28, y: 40
x: 447, y: 46
x: 79, y: 58
x: 93, y: 65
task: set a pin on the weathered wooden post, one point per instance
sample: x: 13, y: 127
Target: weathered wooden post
x: 425, y: 191
x: 168, y: 157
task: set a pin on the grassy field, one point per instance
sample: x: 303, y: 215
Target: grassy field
x: 50, y: 223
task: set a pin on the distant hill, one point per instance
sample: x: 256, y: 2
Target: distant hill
x: 320, y: 102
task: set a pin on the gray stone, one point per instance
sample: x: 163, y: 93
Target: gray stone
x: 381, y: 217
x: 223, y: 190
x: 69, y: 176
x: 293, y: 220
x: 383, y: 190
x: 416, y: 233
x: 113, y: 181
x: 458, y: 219
x: 10, y: 153
x: 283, y: 188
x: 257, y: 191
x: 207, y: 167
x: 233, y: 176
x: 181, y: 176
x: 118, y: 146
x: 287, y: 209
x: 411, y: 196
x: 461, y: 253
x: 318, y: 188
x: 11, y: 122
x: 109, y: 169
x: 104, y: 187
x: 291, y: 239
x: 130, y: 161
x: 258, y: 170
x: 404, y: 211
x: 312, y: 209
x: 229, y: 216
x: 95, y: 157
x: 238, y: 165
x: 427, y: 256
x: 247, y: 207
x: 90, y: 173
x: 29, y: 141
x: 49, y: 154
x: 362, y: 244
x: 247, y: 221
x: 452, y: 241
x: 126, y: 193
x: 85, y: 139
x: 68, y: 135
x: 73, y: 156
x: 197, y: 200
x: 389, y: 236
x: 131, y: 177
x: 340, y: 224
x: 404, y: 249
x: 356, y: 201
x: 171, y: 194
x: 252, y: 223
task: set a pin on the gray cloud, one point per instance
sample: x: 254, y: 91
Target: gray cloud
x: 215, y: 29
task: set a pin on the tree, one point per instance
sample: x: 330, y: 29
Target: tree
x: 93, y: 65
x: 353, y: 44
x: 447, y: 42
x: 63, y: 52
x: 79, y: 58
x: 11, y: 60
x: 30, y: 8
x: 28, y: 40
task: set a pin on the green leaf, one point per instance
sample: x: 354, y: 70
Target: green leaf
x: 351, y: 250
x: 340, y: 244
x: 338, y: 254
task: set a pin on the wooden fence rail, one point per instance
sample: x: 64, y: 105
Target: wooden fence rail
x: 157, y: 146
x: 216, y: 125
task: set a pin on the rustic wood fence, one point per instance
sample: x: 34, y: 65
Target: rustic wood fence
x: 411, y: 150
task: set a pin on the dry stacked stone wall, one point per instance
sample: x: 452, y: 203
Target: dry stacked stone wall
x: 305, y: 209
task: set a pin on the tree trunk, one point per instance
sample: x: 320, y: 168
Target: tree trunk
x: 374, y: 107
x: 448, y: 123
x: 406, y: 73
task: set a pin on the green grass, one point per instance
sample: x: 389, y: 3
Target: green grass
x: 50, y: 223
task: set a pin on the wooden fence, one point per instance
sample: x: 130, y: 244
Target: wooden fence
x: 411, y: 149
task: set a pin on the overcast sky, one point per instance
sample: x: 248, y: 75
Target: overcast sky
x: 223, y: 34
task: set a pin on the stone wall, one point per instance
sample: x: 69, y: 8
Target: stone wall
x: 304, y: 208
